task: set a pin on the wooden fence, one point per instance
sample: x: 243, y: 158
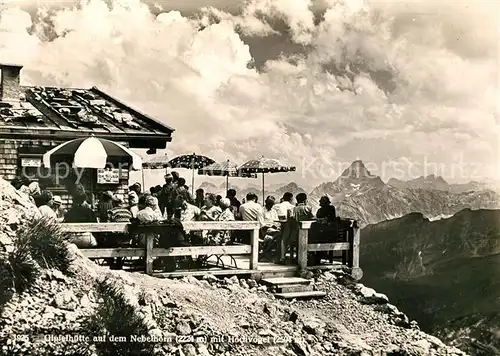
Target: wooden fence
x: 350, y: 248
x: 150, y: 252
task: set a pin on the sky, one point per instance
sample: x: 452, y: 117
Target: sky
x: 409, y: 87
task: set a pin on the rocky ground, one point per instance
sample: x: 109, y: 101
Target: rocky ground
x: 213, y: 316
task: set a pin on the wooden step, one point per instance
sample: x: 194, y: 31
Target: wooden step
x: 300, y: 295
x: 294, y: 288
x: 286, y: 281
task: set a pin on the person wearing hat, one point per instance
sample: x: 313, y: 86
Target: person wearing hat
x: 57, y: 206
x: 104, y: 206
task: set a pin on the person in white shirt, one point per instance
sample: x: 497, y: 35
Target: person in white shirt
x: 189, y: 212
x: 251, y: 210
x: 270, y: 213
x: 285, y: 208
x: 45, y: 209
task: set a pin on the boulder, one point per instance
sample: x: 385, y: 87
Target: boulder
x: 65, y: 300
x: 183, y: 328
x: 376, y: 298
x: 314, y: 326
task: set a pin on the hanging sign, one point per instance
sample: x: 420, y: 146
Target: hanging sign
x: 108, y: 176
x: 31, y: 162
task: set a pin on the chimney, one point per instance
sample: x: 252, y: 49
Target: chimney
x: 10, y: 88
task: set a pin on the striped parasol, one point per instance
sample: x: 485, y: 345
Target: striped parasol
x: 192, y: 162
x: 92, y: 152
x: 264, y: 165
x: 226, y: 169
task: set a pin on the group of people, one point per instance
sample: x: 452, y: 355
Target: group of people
x: 48, y: 204
x: 173, y: 201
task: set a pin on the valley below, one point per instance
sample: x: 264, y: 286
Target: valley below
x: 445, y: 274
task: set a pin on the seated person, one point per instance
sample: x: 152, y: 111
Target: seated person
x: 271, y: 231
x: 199, y: 200
x: 227, y: 214
x: 326, y: 210
x: 285, y: 206
x: 80, y: 211
x: 210, y: 211
x: 133, y: 201
x: 156, y: 208
x: 104, y: 205
x: 271, y: 225
x: 187, y: 211
x: 302, y: 211
x: 223, y: 237
x: 46, y: 201
x: 57, y: 206
x: 250, y: 210
x: 149, y: 213
x: 235, y: 203
x: 120, y: 211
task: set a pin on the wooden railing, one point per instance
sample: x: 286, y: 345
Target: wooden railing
x: 150, y: 252
x: 350, y: 248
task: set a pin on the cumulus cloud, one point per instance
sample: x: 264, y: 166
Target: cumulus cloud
x: 376, y: 81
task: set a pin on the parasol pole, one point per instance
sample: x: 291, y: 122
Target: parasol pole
x: 192, y: 170
x: 143, y: 186
x: 263, y: 188
x: 227, y: 182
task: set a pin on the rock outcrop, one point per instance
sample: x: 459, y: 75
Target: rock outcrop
x: 15, y: 209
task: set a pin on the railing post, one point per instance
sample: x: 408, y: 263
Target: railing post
x: 302, y: 248
x: 149, y: 253
x: 350, y: 253
x: 356, y: 271
x: 254, y: 256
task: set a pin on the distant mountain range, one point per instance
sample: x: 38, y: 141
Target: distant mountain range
x: 275, y: 190
x: 359, y: 195
x: 445, y: 274
x: 438, y: 183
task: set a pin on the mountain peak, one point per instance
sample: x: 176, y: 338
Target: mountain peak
x: 357, y: 169
x: 436, y: 178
